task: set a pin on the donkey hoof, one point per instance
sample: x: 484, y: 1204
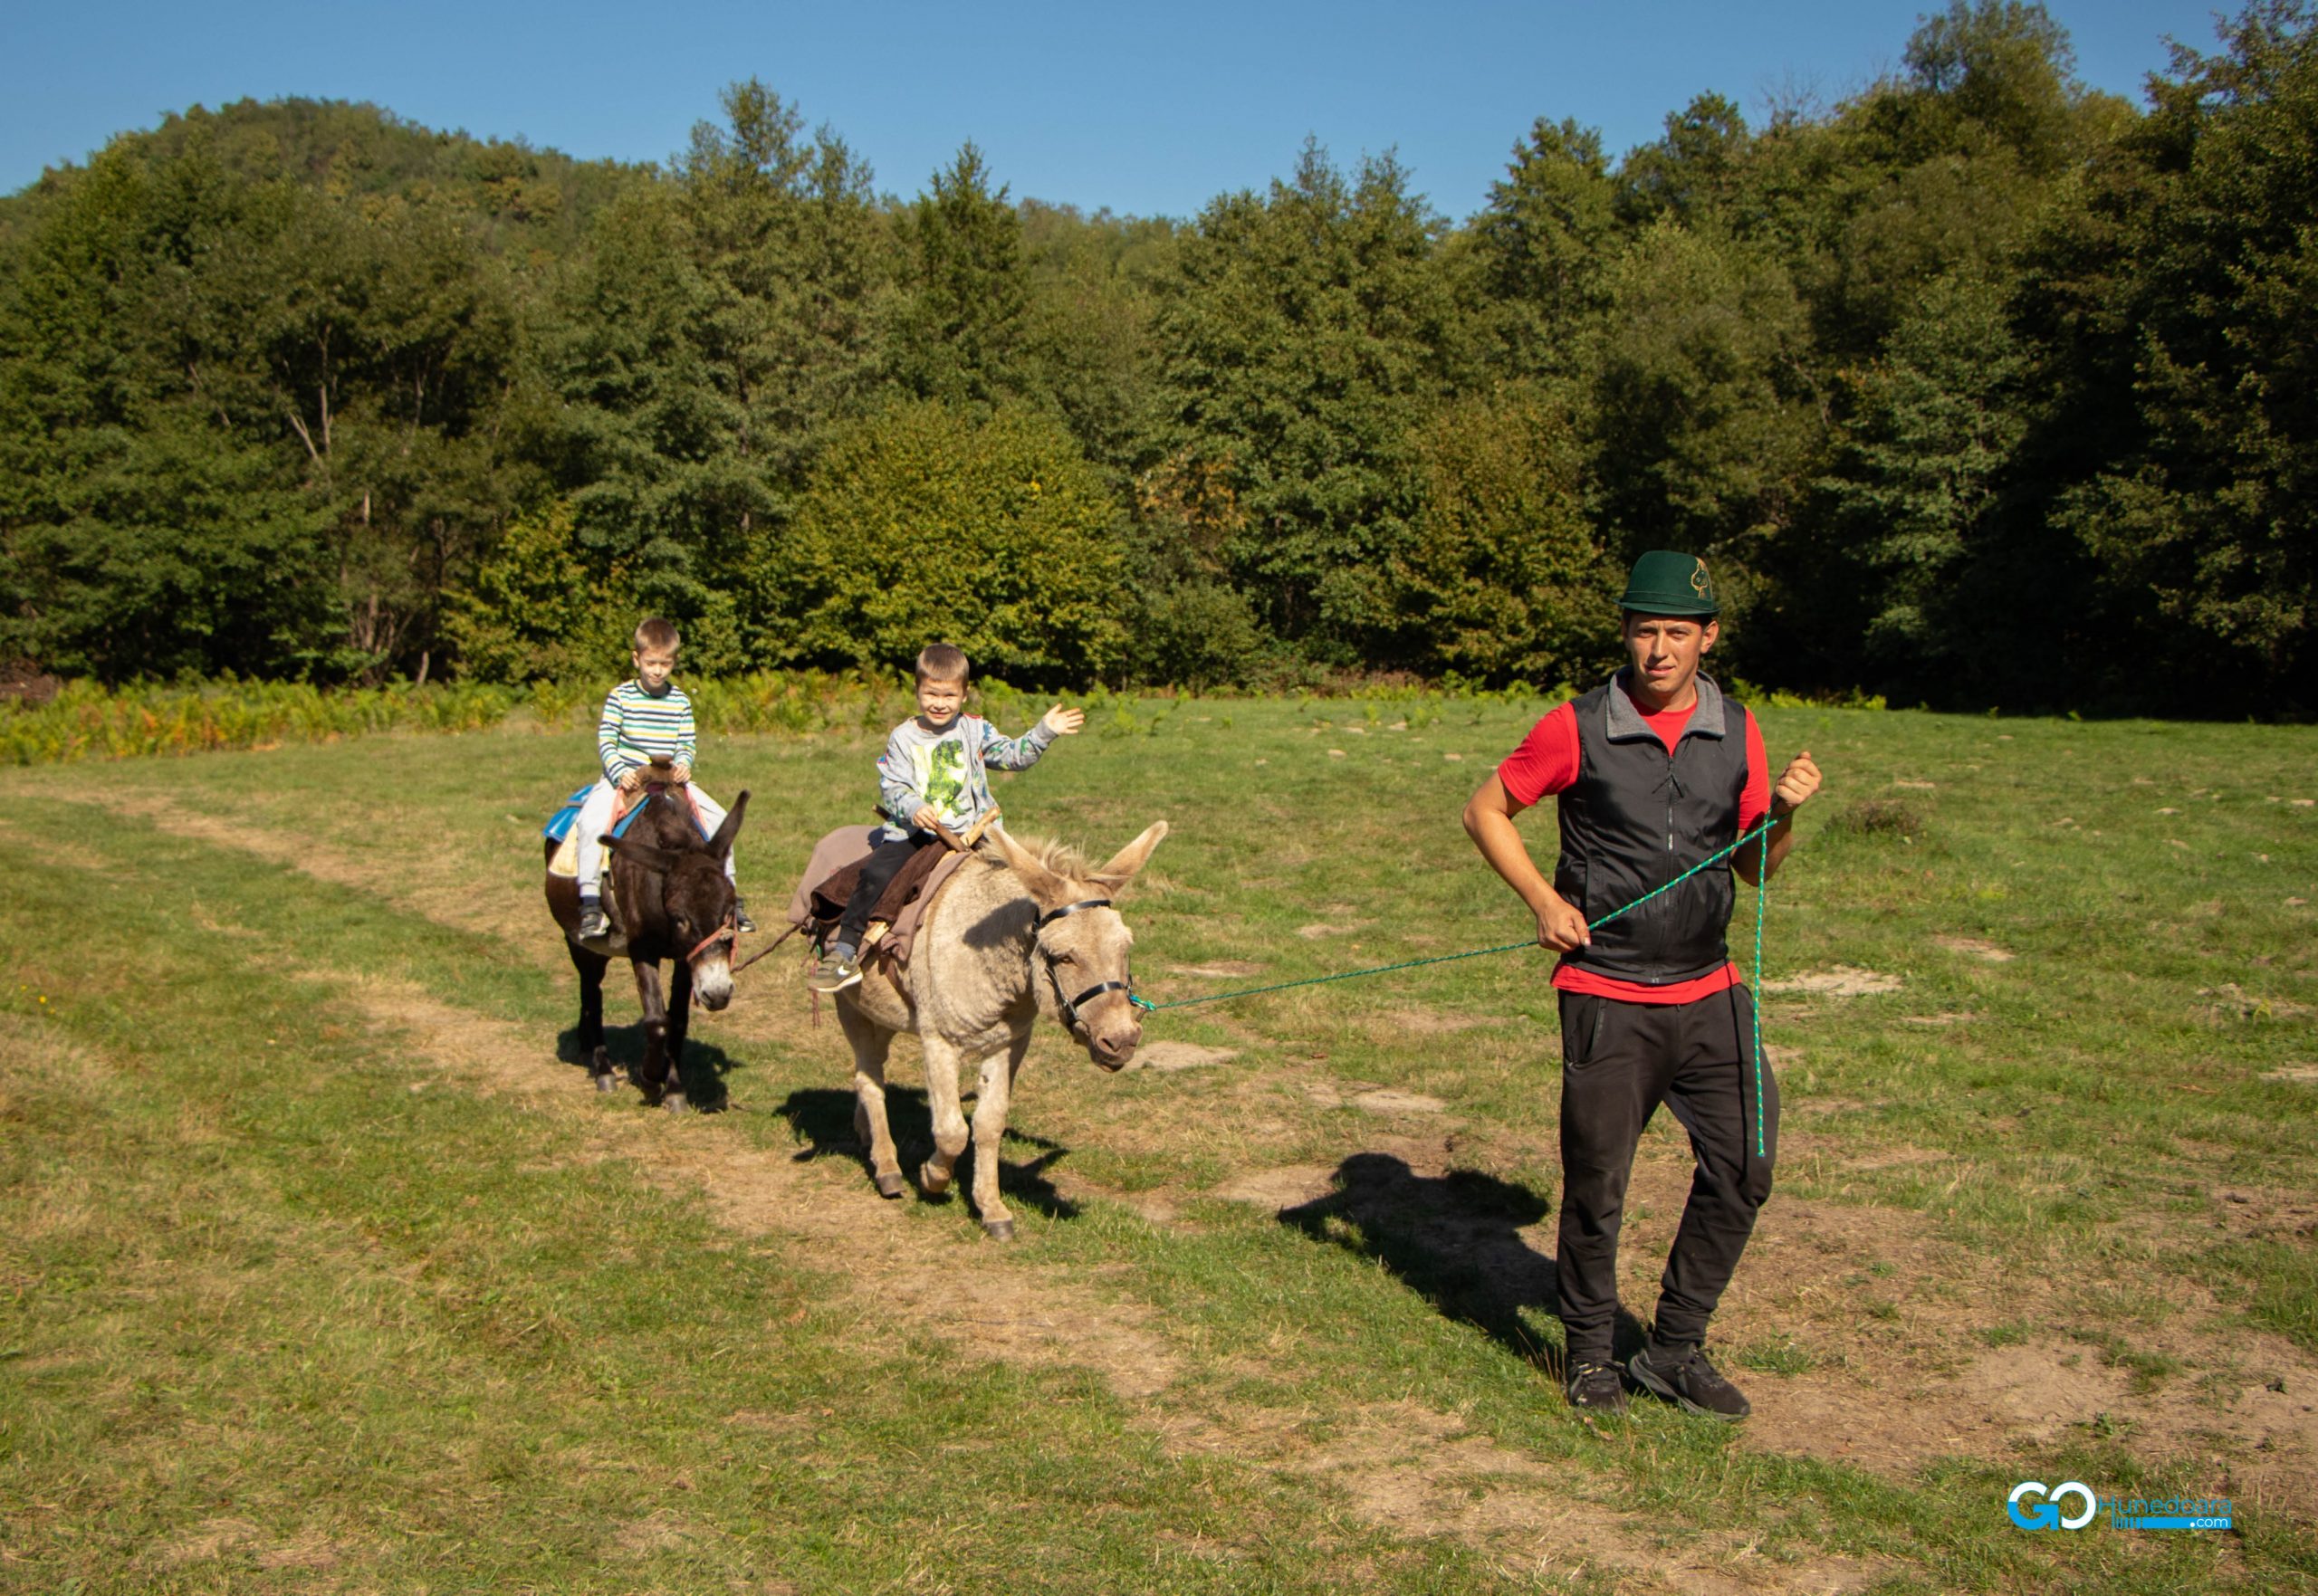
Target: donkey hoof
x: 998, y: 1229
x: 892, y: 1185
x: 675, y: 1103
x: 606, y: 1082
x: 932, y: 1180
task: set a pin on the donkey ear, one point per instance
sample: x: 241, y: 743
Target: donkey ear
x: 1130, y: 859
x: 659, y: 861
x: 1042, y: 882
x: 721, y: 845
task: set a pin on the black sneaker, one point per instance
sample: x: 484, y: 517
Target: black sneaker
x: 1596, y: 1388
x: 833, y: 975
x: 593, y: 926
x: 741, y: 920
x: 1693, y: 1384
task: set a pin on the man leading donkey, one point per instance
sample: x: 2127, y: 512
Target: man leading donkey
x: 1652, y: 772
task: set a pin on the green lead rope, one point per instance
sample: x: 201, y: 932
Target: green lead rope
x: 1761, y: 890
x: 1755, y: 991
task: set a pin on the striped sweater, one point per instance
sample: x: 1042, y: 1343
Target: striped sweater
x: 637, y: 727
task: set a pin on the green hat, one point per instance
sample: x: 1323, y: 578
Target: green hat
x: 1663, y: 582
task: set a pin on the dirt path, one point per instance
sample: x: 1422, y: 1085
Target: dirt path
x: 1402, y: 1465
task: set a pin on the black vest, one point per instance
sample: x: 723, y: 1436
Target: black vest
x: 1636, y: 818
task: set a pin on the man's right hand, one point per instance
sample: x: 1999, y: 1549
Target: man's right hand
x: 1562, y: 927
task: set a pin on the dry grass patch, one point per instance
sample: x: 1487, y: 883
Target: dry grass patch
x: 1976, y: 948
x: 1419, y: 1473
x: 1841, y: 980
x: 1176, y: 1056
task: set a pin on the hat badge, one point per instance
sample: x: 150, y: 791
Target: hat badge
x: 1699, y: 585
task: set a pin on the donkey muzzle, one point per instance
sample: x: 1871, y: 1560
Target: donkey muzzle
x: 1113, y: 1053
x: 712, y: 982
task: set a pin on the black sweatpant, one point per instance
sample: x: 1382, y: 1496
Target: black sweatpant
x: 877, y: 871
x: 1619, y: 1062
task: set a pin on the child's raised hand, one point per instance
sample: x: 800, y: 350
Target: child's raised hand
x: 1064, y: 722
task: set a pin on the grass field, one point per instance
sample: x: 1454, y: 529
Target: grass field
x: 321, y: 1272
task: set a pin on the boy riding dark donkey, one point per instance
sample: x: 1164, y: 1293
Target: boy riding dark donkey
x: 934, y: 772
x: 645, y: 734
x: 1652, y: 774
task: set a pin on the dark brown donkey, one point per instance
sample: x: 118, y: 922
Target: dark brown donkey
x: 672, y: 902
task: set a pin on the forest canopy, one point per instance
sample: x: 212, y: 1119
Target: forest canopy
x: 1978, y: 387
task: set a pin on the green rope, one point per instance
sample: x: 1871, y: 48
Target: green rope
x: 1316, y: 980
x: 1755, y: 992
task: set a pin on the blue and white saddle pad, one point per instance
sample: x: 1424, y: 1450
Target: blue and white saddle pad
x: 560, y: 823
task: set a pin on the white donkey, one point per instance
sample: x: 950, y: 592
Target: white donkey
x: 1019, y: 931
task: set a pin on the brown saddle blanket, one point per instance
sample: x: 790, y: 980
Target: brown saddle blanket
x: 828, y: 883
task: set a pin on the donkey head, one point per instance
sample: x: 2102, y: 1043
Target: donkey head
x: 697, y: 899
x: 1081, y: 944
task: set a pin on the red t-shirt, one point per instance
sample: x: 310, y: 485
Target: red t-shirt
x: 1547, y: 763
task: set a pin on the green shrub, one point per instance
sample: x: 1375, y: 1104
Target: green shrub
x: 1199, y: 632
x: 1504, y: 581
x: 537, y: 610
x: 921, y: 525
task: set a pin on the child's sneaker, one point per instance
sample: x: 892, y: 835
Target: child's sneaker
x: 741, y: 920
x: 593, y: 926
x: 834, y: 974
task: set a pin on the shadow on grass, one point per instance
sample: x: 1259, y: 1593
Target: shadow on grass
x: 1456, y: 1240
x: 823, y: 1120
x: 702, y: 1069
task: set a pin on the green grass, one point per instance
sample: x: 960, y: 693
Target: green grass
x: 289, y: 1303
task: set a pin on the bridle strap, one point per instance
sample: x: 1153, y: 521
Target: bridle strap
x: 726, y: 933
x: 1051, y: 915
x: 1070, y: 1005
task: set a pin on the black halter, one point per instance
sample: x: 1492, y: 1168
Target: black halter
x: 1051, y: 915
x: 1070, y: 1005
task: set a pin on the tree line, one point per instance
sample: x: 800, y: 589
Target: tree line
x: 1978, y: 387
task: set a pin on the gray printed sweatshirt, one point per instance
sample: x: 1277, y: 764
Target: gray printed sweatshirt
x: 949, y: 769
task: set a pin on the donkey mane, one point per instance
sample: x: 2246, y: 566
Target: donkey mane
x: 1057, y: 856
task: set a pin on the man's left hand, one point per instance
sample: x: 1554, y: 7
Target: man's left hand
x: 1794, y: 785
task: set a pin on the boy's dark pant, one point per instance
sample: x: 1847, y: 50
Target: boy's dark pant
x: 877, y: 871
x: 1619, y: 1062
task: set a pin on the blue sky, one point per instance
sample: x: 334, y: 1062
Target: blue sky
x: 1148, y: 109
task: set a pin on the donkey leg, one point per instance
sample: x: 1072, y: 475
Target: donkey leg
x: 673, y: 1097
x: 592, y: 1050
x: 656, y: 1028
x: 871, y: 1042
x: 942, y: 1061
x: 993, y: 1095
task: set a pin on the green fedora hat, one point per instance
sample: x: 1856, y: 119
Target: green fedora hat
x: 1663, y: 582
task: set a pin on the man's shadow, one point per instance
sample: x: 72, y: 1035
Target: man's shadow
x: 702, y: 1069
x: 1456, y: 1240
x: 822, y: 1118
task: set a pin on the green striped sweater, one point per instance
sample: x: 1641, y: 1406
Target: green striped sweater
x: 637, y: 727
